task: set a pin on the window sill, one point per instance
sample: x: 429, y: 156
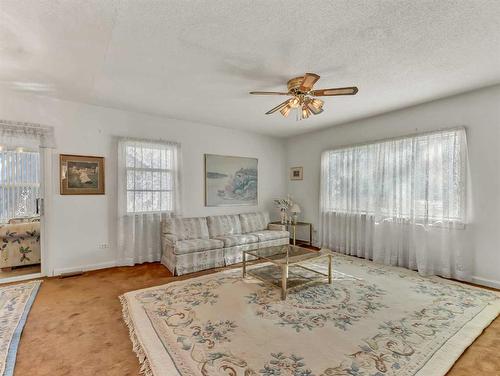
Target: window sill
x: 138, y: 214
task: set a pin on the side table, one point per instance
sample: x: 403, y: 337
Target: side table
x: 293, y: 228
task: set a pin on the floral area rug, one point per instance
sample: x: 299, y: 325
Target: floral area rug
x: 373, y: 320
x: 15, y: 304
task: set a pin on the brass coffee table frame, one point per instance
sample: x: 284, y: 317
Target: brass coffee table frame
x: 285, y: 262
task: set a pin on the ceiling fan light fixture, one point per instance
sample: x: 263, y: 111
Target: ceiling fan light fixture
x: 313, y: 109
x: 305, y: 112
x: 285, y: 111
x: 294, y: 102
x: 317, y: 103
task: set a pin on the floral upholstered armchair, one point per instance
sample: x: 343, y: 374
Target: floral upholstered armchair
x: 19, y: 244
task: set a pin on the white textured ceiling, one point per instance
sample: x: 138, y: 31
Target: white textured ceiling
x: 197, y: 60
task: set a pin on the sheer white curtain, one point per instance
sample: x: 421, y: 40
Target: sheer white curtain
x: 21, y: 148
x: 19, y: 183
x: 400, y: 202
x: 148, y: 191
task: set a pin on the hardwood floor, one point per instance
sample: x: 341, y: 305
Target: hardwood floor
x: 20, y: 270
x: 75, y: 328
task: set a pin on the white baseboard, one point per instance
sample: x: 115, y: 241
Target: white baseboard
x: 85, y: 268
x: 486, y: 282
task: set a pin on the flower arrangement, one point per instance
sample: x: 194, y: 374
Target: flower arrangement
x: 284, y: 204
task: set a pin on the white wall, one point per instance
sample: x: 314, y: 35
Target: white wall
x: 79, y: 223
x: 479, y: 111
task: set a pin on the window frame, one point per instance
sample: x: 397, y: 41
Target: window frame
x: 170, y: 170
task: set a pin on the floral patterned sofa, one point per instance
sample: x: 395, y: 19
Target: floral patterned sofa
x: 193, y: 244
x: 20, y: 243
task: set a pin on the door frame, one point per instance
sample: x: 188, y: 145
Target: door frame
x: 46, y: 189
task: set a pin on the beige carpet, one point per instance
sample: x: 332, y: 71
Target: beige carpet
x: 373, y: 320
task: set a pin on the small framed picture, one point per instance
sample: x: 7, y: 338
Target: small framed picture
x: 81, y: 175
x: 296, y: 173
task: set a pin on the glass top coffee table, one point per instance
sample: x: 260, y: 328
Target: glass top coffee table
x: 284, y: 257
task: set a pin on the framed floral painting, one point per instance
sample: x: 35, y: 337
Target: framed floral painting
x: 81, y: 175
x: 230, y: 181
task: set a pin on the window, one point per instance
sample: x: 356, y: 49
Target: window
x: 149, y: 169
x: 19, y: 183
x: 419, y: 177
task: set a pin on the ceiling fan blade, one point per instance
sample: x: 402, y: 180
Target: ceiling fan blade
x: 336, y: 91
x: 278, y: 107
x: 308, y: 82
x: 267, y: 93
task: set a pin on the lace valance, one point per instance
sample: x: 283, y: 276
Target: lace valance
x: 30, y: 135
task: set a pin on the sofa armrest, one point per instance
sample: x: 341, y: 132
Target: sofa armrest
x: 276, y: 227
x: 168, y: 244
x: 169, y: 239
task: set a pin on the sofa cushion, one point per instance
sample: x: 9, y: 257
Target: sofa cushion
x: 251, y: 222
x: 186, y: 228
x: 183, y: 247
x: 235, y: 240
x: 223, y: 225
x: 266, y: 235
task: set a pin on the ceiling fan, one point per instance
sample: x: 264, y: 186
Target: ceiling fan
x: 300, y: 89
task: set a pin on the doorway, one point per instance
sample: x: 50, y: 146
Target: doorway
x: 21, y: 212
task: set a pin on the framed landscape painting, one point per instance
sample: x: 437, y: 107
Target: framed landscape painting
x: 81, y: 175
x: 230, y: 180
